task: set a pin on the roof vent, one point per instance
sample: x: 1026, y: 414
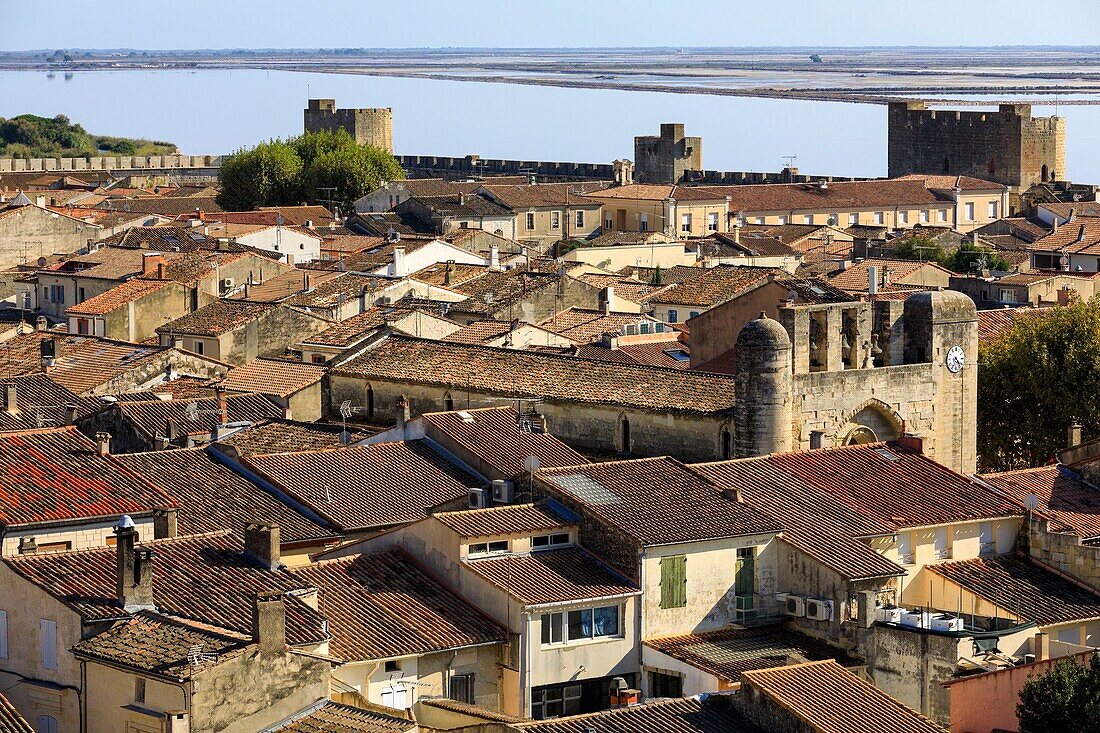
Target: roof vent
x: 124, y: 522
x: 465, y: 417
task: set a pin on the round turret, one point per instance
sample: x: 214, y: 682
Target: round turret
x: 762, y: 364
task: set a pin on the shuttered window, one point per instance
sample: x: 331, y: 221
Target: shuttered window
x: 47, y: 639
x: 674, y: 581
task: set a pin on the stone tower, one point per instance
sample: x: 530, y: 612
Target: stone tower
x: 1008, y: 146
x: 667, y: 158
x: 934, y: 323
x: 372, y: 127
x: 763, y: 415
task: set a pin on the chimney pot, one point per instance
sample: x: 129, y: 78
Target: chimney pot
x: 261, y: 543
x: 103, y: 443
x: 133, y: 571
x: 70, y: 413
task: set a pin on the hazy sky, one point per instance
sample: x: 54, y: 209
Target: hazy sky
x: 524, y: 23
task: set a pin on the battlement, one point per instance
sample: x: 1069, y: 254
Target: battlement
x: 368, y: 125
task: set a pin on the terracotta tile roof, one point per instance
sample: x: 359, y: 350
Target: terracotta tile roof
x: 529, y: 374
x: 855, y: 277
x: 10, y: 719
x: 287, y: 436
x: 495, y: 436
x: 384, y: 605
x: 1062, y: 494
x: 510, y: 519
x: 211, y: 496
x: 334, y: 717
x: 1024, y: 588
x: 496, y: 290
x: 57, y: 475
x: 950, y: 183
x: 459, y: 273
x: 39, y: 403
x: 216, y: 318
x: 352, y: 330
x: 713, y: 286
x: 1081, y: 236
x: 204, y: 578
x: 480, y: 332
x: 657, y: 354
x: 1079, y: 208
x: 161, y: 645
x: 827, y: 698
x: 787, y: 197
x: 165, y: 205
x: 584, y: 325
x: 332, y: 292
x: 727, y: 653
x: 619, y: 237
x: 625, y: 287
x: 190, y: 267
x: 654, y: 192
x: 277, y: 377
x: 463, y: 206
x: 466, y: 708
x: 746, y: 244
x: 994, y: 322
x: 370, y: 486
x: 118, y: 296
x: 656, y: 501
x: 180, y: 388
x: 552, y: 576
x: 151, y: 417
x: 349, y: 243
x: 542, y: 195
x: 703, y: 714
x: 285, y: 285
x: 814, y: 290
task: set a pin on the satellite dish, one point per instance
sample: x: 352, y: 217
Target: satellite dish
x: 279, y: 220
x: 126, y: 207
x: 41, y: 261
x: 1064, y: 261
x: 531, y: 463
x: 1031, y: 501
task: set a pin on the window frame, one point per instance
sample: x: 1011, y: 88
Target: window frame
x: 529, y: 220
x: 578, y: 219
x: 555, y: 220
x: 685, y: 223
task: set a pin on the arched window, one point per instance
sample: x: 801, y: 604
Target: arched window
x: 624, y: 434
x: 370, y: 401
x: 448, y: 402
x: 45, y: 724
x: 726, y: 444
x: 1045, y: 172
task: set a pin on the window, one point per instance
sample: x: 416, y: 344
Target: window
x: 1071, y: 635
x: 665, y: 685
x: 643, y: 327
x: 744, y: 579
x: 759, y: 220
x: 3, y: 634
x: 610, y: 224
x: 880, y: 218
x: 992, y: 209
x: 853, y: 219
x: 552, y: 628
x: 199, y: 347
x: 678, y: 354
x: 692, y: 314
x: 530, y: 220
x: 643, y: 222
x: 807, y: 219
x: 903, y: 217
x: 81, y: 297
x: 674, y: 581
x: 461, y: 225
x: 462, y: 688
x: 624, y: 436
x: 555, y: 220
x: 782, y: 221
x: 52, y: 294
x: 554, y: 702
x: 593, y: 623
x: 318, y: 359
x: 685, y: 223
x: 941, y: 215
x: 712, y: 222
x: 969, y: 209
x: 45, y: 724
x: 139, y: 689
x: 549, y: 540
x: 393, y: 665
x: 60, y: 293
x: 987, y: 543
x: 579, y: 220
x: 924, y: 216
x: 47, y: 643
x: 672, y: 315
x: 395, y: 696
x: 905, y: 548
x: 482, y: 548
x: 939, y: 544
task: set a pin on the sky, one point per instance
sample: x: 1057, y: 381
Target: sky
x: 533, y: 23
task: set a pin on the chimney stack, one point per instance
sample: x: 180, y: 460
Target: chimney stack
x: 607, y: 299
x: 261, y: 543
x: 223, y: 406
x: 41, y: 324
x: 1073, y: 434
x: 911, y: 442
x: 152, y: 264
x: 1041, y: 647
x: 11, y: 397
x: 47, y: 348
x: 70, y: 413
x: 494, y: 257
x: 403, y: 413
x: 399, y: 262
x: 177, y: 721
x: 165, y: 523
x: 103, y: 444
x: 133, y: 568
x: 269, y: 623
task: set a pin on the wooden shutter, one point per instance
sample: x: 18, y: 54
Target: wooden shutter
x: 674, y: 581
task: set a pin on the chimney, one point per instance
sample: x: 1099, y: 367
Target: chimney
x: 1081, y: 234
x: 165, y: 523
x: 737, y: 232
x: 911, y: 442
x: 269, y: 623
x: 160, y: 271
x: 872, y: 279
x: 151, y: 263
x: 1073, y: 434
x: 607, y: 299
x: 261, y: 543
x: 11, y: 399
x: 133, y: 568
x: 399, y: 262
x: 41, y: 324
x: 305, y: 281
x: 448, y: 272
x: 70, y: 413
x: 461, y: 198
x: 177, y: 721
x: 403, y: 413
x: 103, y: 444
x: 223, y: 406
x: 1041, y: 647
x: 494, y: 257
x: 40, y: 201
x: 1054, y: 224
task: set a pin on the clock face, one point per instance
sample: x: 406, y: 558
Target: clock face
x: 955, y: 358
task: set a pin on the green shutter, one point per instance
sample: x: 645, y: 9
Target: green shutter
x: 674, y: 581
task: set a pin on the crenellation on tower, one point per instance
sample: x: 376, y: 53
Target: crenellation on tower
x: 368, y: 126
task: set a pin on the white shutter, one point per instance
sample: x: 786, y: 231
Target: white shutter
x: 47, y: 633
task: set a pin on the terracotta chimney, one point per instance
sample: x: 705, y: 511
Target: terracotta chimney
x: 261, y: 543
x: 912, y: 442
x: 223, y: 406
x: 152, y: 264
x: 103, y: 443
x: 269, y: 623
x: 133, y: 569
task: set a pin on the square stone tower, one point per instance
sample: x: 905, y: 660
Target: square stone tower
x: 668, y: 157
x: 373, y: 126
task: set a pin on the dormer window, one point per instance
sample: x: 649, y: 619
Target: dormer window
x: 549, y: 540
x: 488, y: 548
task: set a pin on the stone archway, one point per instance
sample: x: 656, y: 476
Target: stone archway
x: 871, y: 422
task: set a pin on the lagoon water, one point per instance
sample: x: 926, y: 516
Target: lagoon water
x: 217, y: 111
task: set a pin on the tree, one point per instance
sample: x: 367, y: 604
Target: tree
x: 1030, y: 385
x: 966, y: 258
x: 1066, y: 699
x: 317, y: 166
x: 265, y: 175
x: 920, y: 247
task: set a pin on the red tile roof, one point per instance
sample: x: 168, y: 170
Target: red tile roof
x: 10, y: 719
x: 855, y: 277
x: 584, y: 325
x: 505, y: 520
x: 827, y: 698
x: 205, y: 578
x: 1023, y: 587
x: 713, y: 286
x: 152, y: 417
x: 287, y: 436
x: 656, y: 501
x: 57, y: 475
x: 118, y: 296
x: 277, y: 377
x: 702, y: 714
x: 480, y: 332
x: 217, y: 318
x: 366, y: 487
x: 552, y: 576
x: 1062, y: 495
x: 334, y: 717
x: 384, y: 605
x: 654, y: 353
x: 40, y: 402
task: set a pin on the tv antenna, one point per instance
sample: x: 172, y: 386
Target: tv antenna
x: 789, y: 160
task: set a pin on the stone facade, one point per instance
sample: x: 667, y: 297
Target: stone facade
x: 373, y: 126
x: 668, y: 157
x: 1008, y: 146
x: 30, y: 232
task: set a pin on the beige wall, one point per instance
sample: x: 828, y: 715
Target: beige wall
x: 544, y: 231
x: 664, y: 254
x: 80, y: 536
x: 139, y: 320
x: 109, y: 691
x: 660, y: 216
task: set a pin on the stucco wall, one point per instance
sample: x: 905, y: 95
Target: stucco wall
x: 32, y: 232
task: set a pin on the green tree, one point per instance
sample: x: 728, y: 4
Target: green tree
x: 265, y: 175
x: 920, y: 247
x: 1066, y: 699
x: 1030, y: 385
x: 966, y: 258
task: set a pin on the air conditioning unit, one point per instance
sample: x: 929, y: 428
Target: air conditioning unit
x: 916, y: 619
x: 504, y: 492
x: 947, y: 622
x: 228, y: 282
x: 478, y: 499
x: 819, y: 610
x: 794, y: 606
x: 890, y: 614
